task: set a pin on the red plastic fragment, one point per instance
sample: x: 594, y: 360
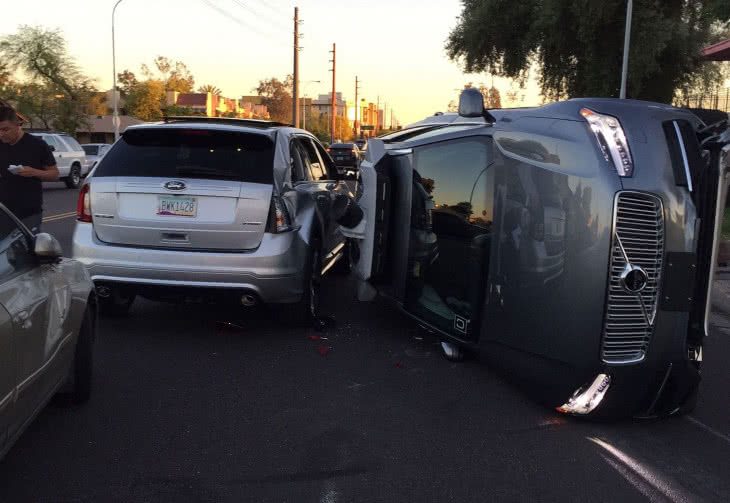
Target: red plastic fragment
x: 323, y: 350
x: 314, y: 337
x: 399, y: 364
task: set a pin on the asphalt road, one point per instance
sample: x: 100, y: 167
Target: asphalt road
x: 188, y: 409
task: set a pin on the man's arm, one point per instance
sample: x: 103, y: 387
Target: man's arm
x: 48, y: 174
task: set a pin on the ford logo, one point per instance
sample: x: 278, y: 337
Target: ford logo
x: 175, y: 185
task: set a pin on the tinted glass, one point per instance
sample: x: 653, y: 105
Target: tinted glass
x: 51, y: 141
x: 451, y: 222
x: 91, y: 149
x: 15, y: 254
x: 191, y: 153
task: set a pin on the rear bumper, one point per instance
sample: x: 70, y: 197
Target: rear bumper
x: 272, y: 271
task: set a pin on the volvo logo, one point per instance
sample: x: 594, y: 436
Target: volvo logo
x: 634, y: 279
x: 175, y: 185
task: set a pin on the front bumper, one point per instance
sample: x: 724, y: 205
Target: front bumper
x: 272, y: 271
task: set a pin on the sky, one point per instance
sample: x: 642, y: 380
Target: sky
x: 394, y: 47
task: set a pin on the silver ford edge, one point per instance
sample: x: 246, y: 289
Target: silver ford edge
x: 210, y: 208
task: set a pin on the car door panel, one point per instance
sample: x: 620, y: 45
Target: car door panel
x: 7, y: 375
x: 33, y: 295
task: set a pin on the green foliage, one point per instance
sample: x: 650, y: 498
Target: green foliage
x: 320, y: 126
x: 54, y: 92
x: 174, y: 110
x: 277, y: 96
x: 145, y: 100
x: 577, y: 45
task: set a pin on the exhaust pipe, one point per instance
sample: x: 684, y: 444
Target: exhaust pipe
x: 248, y: 300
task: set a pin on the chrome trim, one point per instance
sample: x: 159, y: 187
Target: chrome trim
x: 400, y: 151
x: 28, y: 380
x: 684, y: 155
x: 628, y: 324
x: 719, y: 210
x: 8, y: 398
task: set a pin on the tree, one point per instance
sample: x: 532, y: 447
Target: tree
x: 277, y: 97
x: 493, y: 99
x: 56, y: 91
x: 145, y: 100
x: 210, y: 88
x: 577, y: 46
x: 126, y: 80
x: 174, y: 75
x: 97, y: 105
x: 175, y: 110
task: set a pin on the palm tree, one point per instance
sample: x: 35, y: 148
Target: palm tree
x: 209, y: 88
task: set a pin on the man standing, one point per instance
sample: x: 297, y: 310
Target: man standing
x: 21, y: 190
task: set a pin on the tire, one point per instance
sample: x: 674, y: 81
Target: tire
x: 117, y: 304
x: 306, y: 311
x: 73, y: 180
x: 78, y: 389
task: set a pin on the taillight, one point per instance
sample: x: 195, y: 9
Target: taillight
x: 279, y: 219
x: 83, y: 211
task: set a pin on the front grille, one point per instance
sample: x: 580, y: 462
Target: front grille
x: 638, y: 236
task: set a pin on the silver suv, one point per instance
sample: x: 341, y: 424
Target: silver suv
x: 70, y: 157
x: 209, y: 209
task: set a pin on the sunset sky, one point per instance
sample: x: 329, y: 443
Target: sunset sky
x: 395, y: 47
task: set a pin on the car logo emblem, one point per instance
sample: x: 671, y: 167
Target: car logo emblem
x: 634, y: 279
x: 175, y: 185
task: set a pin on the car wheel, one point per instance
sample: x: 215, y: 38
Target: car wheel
x: 306, y: 311
x: 78, y: 389
x: 73, y: 180
x: 117, y: 302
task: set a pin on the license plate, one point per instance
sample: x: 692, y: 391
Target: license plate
x: 177, y: 206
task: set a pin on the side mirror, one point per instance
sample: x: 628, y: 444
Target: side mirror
x: 53, y: 149
x: 47, y: 248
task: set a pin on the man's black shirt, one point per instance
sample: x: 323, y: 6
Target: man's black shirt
x: 23, y: 195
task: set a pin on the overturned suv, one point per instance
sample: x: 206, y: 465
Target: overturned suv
x: 211, y: 209
x: 571, y: 245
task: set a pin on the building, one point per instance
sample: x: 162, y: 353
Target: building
x: 323, y: 105
x: 202, y: 103
x: 101, y: 128
x: 252, y: 107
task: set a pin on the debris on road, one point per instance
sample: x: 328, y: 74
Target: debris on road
x: 323, y: 350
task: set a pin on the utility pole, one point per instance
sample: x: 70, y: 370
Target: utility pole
x: 295, y: 84
x: 357, y: 105
x: 115, y: 118
x: 334, y: 102
x: 627, y: 43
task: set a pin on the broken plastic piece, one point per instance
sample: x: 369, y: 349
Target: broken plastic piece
x: 399, y: 364
x: 323, y: 350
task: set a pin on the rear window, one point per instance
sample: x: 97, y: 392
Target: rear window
x: 91, y: 149
x: 191, y: 153
x: 71, y: 142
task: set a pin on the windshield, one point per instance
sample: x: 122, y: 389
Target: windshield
x: 91, y: 149
x: 191, y: 153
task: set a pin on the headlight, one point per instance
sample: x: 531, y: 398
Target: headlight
x: 611, y: 138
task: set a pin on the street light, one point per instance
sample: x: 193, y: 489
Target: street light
x: 115, y: 119
x: 627, y: 42
x: 304, y: 105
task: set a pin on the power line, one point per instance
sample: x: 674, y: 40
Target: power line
x: 238, y: 21
x: 272, y: 9
x: 273, y: 23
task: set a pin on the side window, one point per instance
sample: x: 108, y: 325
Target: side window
x: 71, y: 142
x: 15, y: 254
x: 315, y: 163
x: 60, y: 144
x: 454, y: 175
x: 299, y: 172
x: 52, y: 142
x: 329, y: 164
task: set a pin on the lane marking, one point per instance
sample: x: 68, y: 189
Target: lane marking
x: 708, y: 429
x: 60, y: 216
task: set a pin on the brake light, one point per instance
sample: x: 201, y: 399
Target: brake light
x: 279, y: 219
x: 83, y: 211
x: 612, y: 140
x: 329, y: 149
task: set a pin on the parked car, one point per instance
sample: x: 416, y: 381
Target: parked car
x: 94, y: 153
x: 547, y: 241
x: 346, y: 156
x: 47, y: 326
x: 70, y: 157
x: 210, y: 208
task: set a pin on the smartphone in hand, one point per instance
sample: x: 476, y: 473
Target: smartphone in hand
x: 14, y: 168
